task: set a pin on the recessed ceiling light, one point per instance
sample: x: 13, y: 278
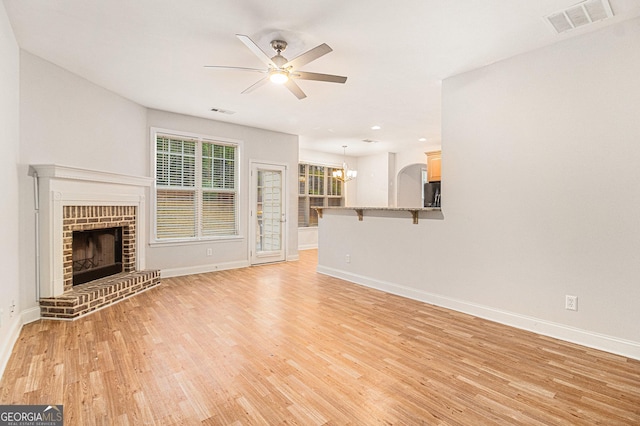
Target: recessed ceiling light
x: 376, y: 127
x: 422, y: 140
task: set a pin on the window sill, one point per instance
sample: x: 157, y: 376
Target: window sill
x: 170, y: 243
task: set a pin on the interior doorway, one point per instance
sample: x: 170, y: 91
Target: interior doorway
x: 410, y: 186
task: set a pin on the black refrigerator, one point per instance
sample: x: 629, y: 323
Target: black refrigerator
x: 432, y: 194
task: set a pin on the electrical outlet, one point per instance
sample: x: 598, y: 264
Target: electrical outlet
x: 12, y: 308
x: 571, y: 302
x: 347, y: 258
x: 209, y: 252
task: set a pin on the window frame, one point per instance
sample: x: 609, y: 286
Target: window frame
x: 198, y: 188
x: 306, y: 197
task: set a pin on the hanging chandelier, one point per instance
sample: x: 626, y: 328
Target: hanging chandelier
x: 344, y: 174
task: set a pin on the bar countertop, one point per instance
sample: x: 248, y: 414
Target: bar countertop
x: 415, y: 211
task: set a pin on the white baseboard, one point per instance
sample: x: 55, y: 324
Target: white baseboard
x: 586, y: 338
x: 9, y: 341
x: 308, y: 247
x: 30, y: 315
x: 201, y: 269
x: 25, y: 317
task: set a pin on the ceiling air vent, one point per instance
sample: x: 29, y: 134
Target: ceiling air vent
x: 369, y: 141
x: 580, y: 14
x: 223, y: 111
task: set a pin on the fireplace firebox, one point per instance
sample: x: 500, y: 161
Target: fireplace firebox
x: 97, y: 253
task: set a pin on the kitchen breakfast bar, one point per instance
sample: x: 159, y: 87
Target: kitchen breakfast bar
x: 393, y: 249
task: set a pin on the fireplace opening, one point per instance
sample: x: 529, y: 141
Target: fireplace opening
x: 97, y: 253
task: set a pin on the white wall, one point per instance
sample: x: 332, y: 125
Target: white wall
x: 376, y: 180
x: 554, y: 135
x: 542, y: 180
x: 325, y: 158
x: 10, y: 323
x: 257, y: 145
x: 67, y: 120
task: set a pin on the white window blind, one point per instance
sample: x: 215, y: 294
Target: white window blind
x: 218, y: 196
x: 176, y: 214
x: 196, y: 194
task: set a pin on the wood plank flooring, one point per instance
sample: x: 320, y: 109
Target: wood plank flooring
x: 281, y: 344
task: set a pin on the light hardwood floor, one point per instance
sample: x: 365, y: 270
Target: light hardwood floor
x: 281, y: 344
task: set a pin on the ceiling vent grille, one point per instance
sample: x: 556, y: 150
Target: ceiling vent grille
x: 369, y: 141
x: 580, y: 14
x: 223, y: 111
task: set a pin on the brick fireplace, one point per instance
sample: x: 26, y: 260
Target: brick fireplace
x: 89, y: 218
x: 72, y: 200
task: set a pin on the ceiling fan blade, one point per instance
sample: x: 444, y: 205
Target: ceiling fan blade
x: 302, y: 75
x: 308, y: 56
x: 255, y: 85
x: 236, y: 68
x: 295, y: 89
x: 256, y: 50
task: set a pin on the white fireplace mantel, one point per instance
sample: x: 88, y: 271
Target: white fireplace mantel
x: 56, y: 171
x: 59, y: 186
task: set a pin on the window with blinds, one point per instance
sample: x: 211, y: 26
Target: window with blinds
x: 316, y: 188
x: 196, y: 188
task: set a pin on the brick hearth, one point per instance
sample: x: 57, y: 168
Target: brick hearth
x: 82, y: 299
x: 85, y: 298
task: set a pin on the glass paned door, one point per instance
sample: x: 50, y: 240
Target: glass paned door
x: 268, y: 213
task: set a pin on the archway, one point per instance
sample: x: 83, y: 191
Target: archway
x: 410, y: 184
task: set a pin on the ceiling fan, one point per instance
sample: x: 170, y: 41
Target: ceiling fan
x: 280, y: 70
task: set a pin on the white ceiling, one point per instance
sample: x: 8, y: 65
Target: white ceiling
x: 394, y: 53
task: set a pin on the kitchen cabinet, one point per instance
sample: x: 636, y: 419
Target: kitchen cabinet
x: 434, y: 161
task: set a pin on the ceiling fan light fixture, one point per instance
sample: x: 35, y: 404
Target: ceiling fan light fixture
x: 279, y: 77
x: 282, y: 71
